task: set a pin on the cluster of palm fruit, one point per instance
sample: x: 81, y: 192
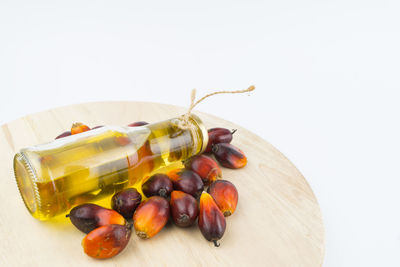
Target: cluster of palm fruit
x: 178, y: 195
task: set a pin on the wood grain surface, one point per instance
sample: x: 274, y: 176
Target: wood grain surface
x: 277, y: 222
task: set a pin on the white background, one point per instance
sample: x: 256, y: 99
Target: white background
x: 327, y: 77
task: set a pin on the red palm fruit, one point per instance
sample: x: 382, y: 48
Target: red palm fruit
x: 229, y: 156
x: 106, y: 241
x: 189, y: 182
x: 87, y: 217
x: 138, y: 123
x: 212, y: 222
x: 96, y: 127
x: 225, y: 196
x: 184, y: 209
x: 151, y: 216
x: 218, y: 135
x: 126, y: 201
x: 64, y: 134
x: 158, y: 184
x: 79, y: 128
x: 205, y: 167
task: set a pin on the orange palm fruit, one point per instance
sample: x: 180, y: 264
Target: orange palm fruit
x: 184, y: 209
x: 229, y: 156
x: 151, y: 216
x: 87, y: 217
x: 174, y: 174
x: 106, y: 241
x: 79, y: 127
x: 212, y: 222
x: 225, y: 196
x: 205, y: 167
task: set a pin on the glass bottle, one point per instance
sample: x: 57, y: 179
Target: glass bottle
x: 54, y: 177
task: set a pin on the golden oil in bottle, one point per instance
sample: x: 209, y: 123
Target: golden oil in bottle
x: 87, y: 167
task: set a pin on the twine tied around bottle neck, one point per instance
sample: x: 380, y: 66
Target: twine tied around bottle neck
x: 184, y: 122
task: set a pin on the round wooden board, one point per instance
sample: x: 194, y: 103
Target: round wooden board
x: 277, y: 221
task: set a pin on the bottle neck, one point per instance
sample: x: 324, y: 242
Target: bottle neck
x: 197, y: 129
x: 201, y: 132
